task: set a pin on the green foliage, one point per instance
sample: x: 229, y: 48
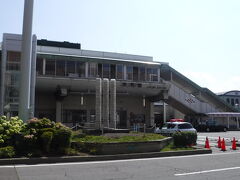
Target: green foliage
x: 183, y: 139
x: 7, y: 152
x: 129, y: 138
x: 8, y: 128
x: 46, y: 139
x: 172, y: 147
x: 61, y: 140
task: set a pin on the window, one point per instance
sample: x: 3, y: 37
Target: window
x: 80, y: 66
x: 92, y: 70
x: 113, y: 71
x: 100, y: 70
x: 228, y: 101
x: 152, y: 74
x: 129, y: 73
x: 70, y: 67
x: 119, y: 71
x: 13, y: 61
x: 39, y: 66
x: 106, y: 71
x: 60, y: 68
x: 135, y: 73
x: 232, y: 102
x: 50, y: 67
x: 142, y: 73
x: 185, y: 126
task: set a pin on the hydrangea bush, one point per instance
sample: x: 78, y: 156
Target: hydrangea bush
x: 8, y: 128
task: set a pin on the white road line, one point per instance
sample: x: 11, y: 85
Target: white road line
x: 117, y: 161
x: 207, y: 171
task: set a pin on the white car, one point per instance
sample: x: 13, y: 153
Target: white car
x: 171, y: 127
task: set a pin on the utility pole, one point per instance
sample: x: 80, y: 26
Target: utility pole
x: 24, y: 95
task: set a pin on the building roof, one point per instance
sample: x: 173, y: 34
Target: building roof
x: 229, y: 93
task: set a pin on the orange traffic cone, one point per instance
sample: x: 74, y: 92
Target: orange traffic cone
x: 234, y: 145
x: 207, y: 143
x: 219, y: 142
x: 223, y: 145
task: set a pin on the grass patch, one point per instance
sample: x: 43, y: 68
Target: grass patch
x: 131, y: 137
x: 171, y: 147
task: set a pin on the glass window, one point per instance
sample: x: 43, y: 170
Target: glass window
x: 119, y: 71
x: 60, y: 68
x: 228, y: 100
x: 50, y: 67
x: 142, y: 74
x: 39, y: 66
x: 100, y: 70
x: 232, y: 102
x: 13, y: 56
x: 135, y: 73
x: 113, y: 71
x: 237, y: 102
x: 70, y: 67
x: 13, y: 61
x: 92, y: 70
x: 185, y: 126
x: 152, y: 74
x: 129, y: 73
x: 106, y: 71
x: 81, y: 68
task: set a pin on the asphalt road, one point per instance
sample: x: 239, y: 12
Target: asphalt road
x: 219, y: 165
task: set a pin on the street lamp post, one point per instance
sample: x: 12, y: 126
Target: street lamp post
x: 24, y: 94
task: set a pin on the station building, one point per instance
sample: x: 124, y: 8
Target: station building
x: 100, y: 89
x: 72, y: 85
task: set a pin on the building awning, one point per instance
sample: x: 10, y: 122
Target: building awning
x: 223, y: 114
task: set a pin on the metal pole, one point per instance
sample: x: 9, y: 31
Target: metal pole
x: 24, y: 97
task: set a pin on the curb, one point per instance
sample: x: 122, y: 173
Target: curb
x: 50, y: 160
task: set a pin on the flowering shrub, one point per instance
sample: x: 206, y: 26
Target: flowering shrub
x: 8, y: 128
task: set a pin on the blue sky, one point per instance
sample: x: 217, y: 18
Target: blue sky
x: 199, y: 38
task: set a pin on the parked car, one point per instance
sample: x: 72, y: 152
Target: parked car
x: 211, y: 125
x: 171, y: 127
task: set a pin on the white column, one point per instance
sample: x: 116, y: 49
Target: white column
x: 44, y: 66
x: 105, y: 102
x: 164, y: 113
x: 112, y: 104
x: 151, y: 122
x: 98, y: 108
x: 228, y: 122
x: 237, y: 123
x: 24, y: 95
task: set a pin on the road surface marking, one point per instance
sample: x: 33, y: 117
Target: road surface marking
x: 117, y: 161
x: 207, y: 171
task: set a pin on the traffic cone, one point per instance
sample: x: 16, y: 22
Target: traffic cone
x: 207, y: 143
x: 234, y: 145
x: 219, y: 142
x: 223, y: 145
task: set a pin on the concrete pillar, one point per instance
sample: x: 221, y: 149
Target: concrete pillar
x: 33, y: 77
x: 98, y: 109
x: 112, y: 105
x: 44, y: 66
x: 105, y: 102
x: 3, y: 70
x: 164, y: 113
x: 237, y: 123
x: 228, y: 122
x: 58, y: 111
x: 24, y: 95
x: 151, y: 121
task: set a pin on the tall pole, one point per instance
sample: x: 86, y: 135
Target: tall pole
x: 24, y: 96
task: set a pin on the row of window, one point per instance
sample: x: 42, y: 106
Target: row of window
x: 70, y: 68
x: 233, y: 102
